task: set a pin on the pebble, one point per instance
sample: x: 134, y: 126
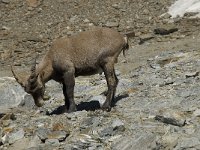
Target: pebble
x: 196, y: 113
x: 112, y: 24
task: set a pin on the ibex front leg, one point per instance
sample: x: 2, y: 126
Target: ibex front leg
x: 112, y: 82
x: 68, y: 90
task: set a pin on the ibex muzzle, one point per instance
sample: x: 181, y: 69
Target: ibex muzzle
x: 83, y: 54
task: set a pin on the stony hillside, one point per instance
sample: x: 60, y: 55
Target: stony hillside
x: 157, y: 100
x: 31, y: 25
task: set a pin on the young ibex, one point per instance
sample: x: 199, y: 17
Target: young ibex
x: 84, y: 54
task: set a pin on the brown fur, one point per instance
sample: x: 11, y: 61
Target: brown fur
x: 83, y: 54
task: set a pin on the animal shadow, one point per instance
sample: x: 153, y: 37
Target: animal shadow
x: 88, y: 106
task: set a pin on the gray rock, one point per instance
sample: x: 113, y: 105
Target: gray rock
x: 116, y: 6
x: 144, y: 141
x: 5, y: 1
x: 196, y: 113
x: 42, y: 134
x: 27, y: 102
x: 53, y: 142
x: 34, y: 142
x: 170, y: 120
x: 45, y: 134
x: 68, y: 147
x: 59, y: 135
x: 118, y: 125
x: 16, y: 136
x: 21, y: 144
x: 81, y: 145
x: 88, y: 122
x: 106, y: 132
x: 166, y: 16
x: 170, y: 140
x: 191, y: 74
x: 99, y: 98
x: 112, y: 24
x: 4, y: 139
x: 11, y: 93
x: 188, y: 143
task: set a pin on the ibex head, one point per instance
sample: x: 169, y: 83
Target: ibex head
x: 32, y: 84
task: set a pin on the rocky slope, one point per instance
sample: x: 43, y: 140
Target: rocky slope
x: 156, y: 104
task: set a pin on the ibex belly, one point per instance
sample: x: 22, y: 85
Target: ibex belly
x: 87, y: 71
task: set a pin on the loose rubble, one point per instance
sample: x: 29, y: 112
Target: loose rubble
x: 164, y: 108
x: 157, y: 99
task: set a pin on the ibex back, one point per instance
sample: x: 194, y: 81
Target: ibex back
x: 83, y: 54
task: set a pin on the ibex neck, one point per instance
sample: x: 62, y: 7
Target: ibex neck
x: 44, y: 70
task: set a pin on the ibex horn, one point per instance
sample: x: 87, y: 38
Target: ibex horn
x: 33, y: 76
x: 16, y: 76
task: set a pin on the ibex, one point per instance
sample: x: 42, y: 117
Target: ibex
x: 83, y: 54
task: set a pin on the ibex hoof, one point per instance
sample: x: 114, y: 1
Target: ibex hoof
x: 39, y: 103
x: 106, y: 108
x: 71, y: 109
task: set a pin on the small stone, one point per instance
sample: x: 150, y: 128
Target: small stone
x: 171, y: 120
x: 8, y: 116
x: 99, y: 98
x: 33, y: 39
x: 117, y: 72
x: 6, y: 28
x: 70, y: 32
x: 196, y: 113
x: 73, y: 18
x: 170, y: 140
x: 106, y: 132
x: 60, y: 135
x: 27, y: 102
x: 166, y: 16
x: 91, y: 24
x: 190, y: 14
x: 4, y: 139
x: 191, y: 74
x: 86, y: 20
x: 32, y: 3
x: 116, y: 6
x: 143, y: 141
x: 112, y: 24
x: 163, y: 31
x: 53, y: 142
x: 145, y: 11
x: 5, y: 1
x: 16, y: 136
x: 118, y: 124
x: 189, y: 143
x: 34, y: 142
x: 44, y: 134
x: 145, y: 37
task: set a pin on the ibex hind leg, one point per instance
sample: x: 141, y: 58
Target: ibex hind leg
x: 112, y: 82
x: 105, y: 93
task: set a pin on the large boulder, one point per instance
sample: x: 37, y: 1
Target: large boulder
x: 11, y: 93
